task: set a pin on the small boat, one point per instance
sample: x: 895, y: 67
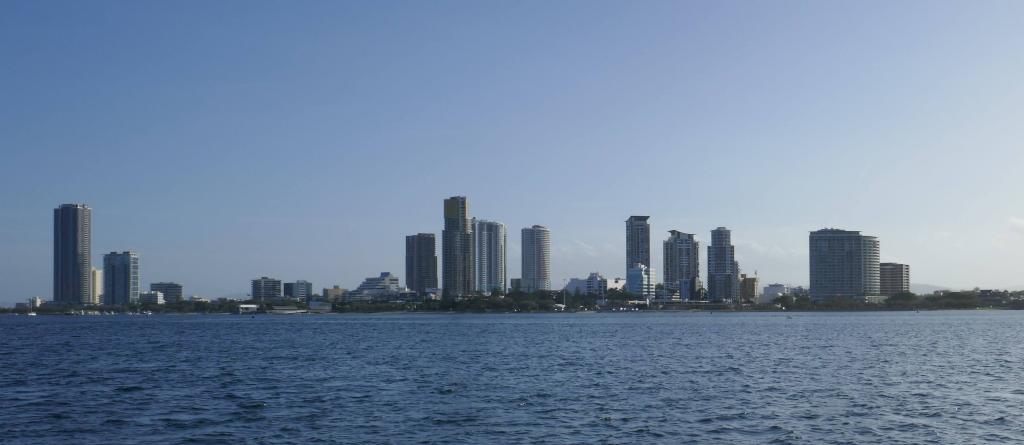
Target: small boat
x: 31, y: 314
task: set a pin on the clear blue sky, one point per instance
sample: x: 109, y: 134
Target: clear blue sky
x: 226, y: 140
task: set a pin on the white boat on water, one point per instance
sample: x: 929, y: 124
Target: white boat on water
x: 31, y: 314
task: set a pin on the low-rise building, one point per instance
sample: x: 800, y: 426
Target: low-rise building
x: 172, y: 291
x: 334, y: 293
x: 151, y: 297
x: 593, y: 284
x: 385, y: 287
x: 299, y: 290
x: 640, y: 281
x: 264, y: 288
x: 773, y: 291
x: 248, y: 308
x: 320, y: 307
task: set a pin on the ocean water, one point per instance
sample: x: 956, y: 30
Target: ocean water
x: 815, y: 378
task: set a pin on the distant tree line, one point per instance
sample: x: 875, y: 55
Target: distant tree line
x: 907, y: 301
x: 547, y: 301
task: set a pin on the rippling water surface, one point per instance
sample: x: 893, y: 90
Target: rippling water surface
x: 935, y: 377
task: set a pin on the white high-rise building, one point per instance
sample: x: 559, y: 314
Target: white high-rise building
x: 97, y: 286
x: 490, y: 238
x: 536, y: 259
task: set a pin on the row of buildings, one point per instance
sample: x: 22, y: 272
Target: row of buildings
x: 843, y: 264
x: 474, y: 257
x: 681, y: 261
x: 76, y: 282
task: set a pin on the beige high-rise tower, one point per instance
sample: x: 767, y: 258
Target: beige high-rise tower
x: 457, y: 260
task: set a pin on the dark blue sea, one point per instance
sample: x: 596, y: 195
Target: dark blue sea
x: 812, y: 378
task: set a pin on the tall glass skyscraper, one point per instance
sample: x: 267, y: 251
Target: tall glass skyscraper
x: 536, y: 259
x: 121, y: 278
x: 457, y: 261
x: 723, y: 270
x: 421, y: 262
x: 638, y: 242
x: 491, y: 259
x: 72, y: 254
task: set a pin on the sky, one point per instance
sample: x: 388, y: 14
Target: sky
x: 225, y: 141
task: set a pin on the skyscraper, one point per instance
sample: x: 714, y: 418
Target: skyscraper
x: 638, y: 242
x: 172, y: 291
x: 120, y: 278
x: 457, y: 261
x: 421, y: 262
x: 536, y: 259
x: 96, y: 279
x: 723, y: 270
x: 72, y: 254
x: 264, y: 288
x: 843, y: 264
x: 491, y: 259
x: 682, y: 264
x: 893, y: 278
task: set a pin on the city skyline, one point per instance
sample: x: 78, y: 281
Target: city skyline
x: 896, y: 120
x: 456, y: 214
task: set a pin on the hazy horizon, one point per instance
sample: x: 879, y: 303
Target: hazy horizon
x: 227, y: 141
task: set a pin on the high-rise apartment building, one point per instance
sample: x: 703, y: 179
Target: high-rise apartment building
x: 172, y: 291
x: 491, y: 258
x: 421, y: 262
x: 843, y: 264
x: 723, y: 270
x: 96, y: 278
x: 300, y: 290
x: 893, y: 278
x: 638, y: 241
x: 536, y: 259
x: 264, y: 288
x: 120, y: 278
x: 682, y: 264
x: 72, y: 254
x: 457, y: 260
x: 748, y: 288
